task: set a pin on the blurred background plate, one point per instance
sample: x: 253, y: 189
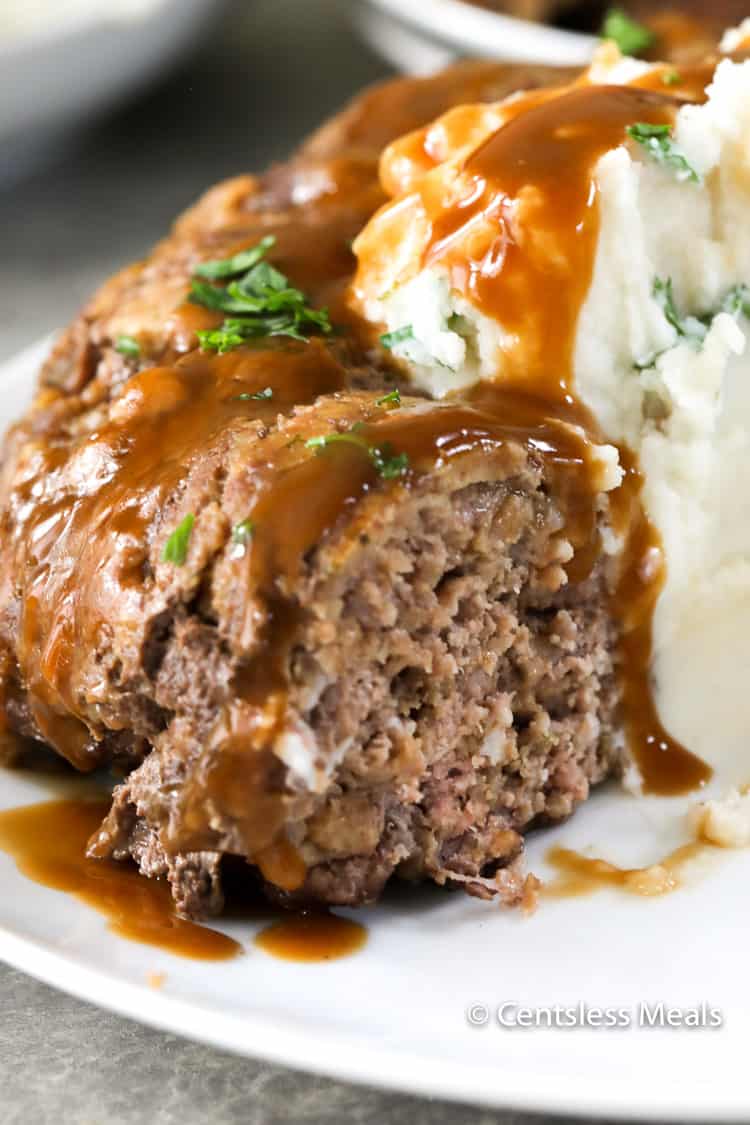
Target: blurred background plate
x: 62, y: 64
x: 422, y: 35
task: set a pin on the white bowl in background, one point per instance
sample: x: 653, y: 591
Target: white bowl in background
x: 419, y: 36
x: 59, y: 73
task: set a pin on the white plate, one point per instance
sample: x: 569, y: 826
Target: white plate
x: 420, y: 36
x: 395, y: 1014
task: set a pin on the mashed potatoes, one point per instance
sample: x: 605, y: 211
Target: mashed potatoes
x: 659, y: 356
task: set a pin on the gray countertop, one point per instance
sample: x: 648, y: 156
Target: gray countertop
x: 67, y: 1063
x: 269, y: 73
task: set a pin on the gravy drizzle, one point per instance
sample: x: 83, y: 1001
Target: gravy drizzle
x: 317, y: 936
x: 47, y: 840
x: 48, y: 843
x: 579, y: 875
x: 531, y: 183
x: 666, y: 767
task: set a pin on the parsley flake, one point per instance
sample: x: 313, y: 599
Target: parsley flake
x: 393, y: 398
x: 386, y: 461
x: 737, y: 301
x: 243, y: 532
x: 257, y: 300
x: 659, y: 144
x: 128, y: 346
x: 664, y: 297
x: 671, y: 78
x: 239, y: 263
x: 693, y: 329
x: 390, y: 339
x: 629, y: 35
x: 176, y: 547
x: 246, y: 396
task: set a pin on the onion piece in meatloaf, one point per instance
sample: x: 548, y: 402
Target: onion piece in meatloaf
x: 363, y: 656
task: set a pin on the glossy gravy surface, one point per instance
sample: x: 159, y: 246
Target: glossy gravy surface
x: 48, y: 843
x: 666, y: 766
x: 533, y: 182
x: 48, y: 840
x: 88, y: 543
x: 312, y: 937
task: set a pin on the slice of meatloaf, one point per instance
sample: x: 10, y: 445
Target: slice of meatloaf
x: 327, y: 633
x: 404, y: 689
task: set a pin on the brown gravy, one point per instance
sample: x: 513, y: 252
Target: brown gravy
x: 667, y: 768
x: 579, y: 875
x: 312, y: 937
x: 48, y: 843
x: 532, y: 182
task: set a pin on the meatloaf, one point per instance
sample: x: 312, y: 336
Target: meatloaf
x: 316, y: 624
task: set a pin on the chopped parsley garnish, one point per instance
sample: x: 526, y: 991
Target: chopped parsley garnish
x: 222, y: 339
x: 671, y: 78
x: 257, y: 301
x: 223, y: 268
x: 393, y: 398
x: 176, y: 547
x: 737, y: 301
x: 242, y: 532
x: 659, y: 144
x: 386, y: 461
x: 390, y: 339
x: 664, y: 297
x: 693, y: 329
x: 128, y: 346
x: 629, y: 35
x: 246, y: 396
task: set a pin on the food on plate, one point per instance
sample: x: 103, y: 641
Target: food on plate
x: 144, y: 591
x: 353, y: 576
x: 591, y: 241
x: 356, y: 707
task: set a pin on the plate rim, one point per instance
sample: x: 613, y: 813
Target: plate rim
x: 462, y: 25
x: 332, y: 1055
